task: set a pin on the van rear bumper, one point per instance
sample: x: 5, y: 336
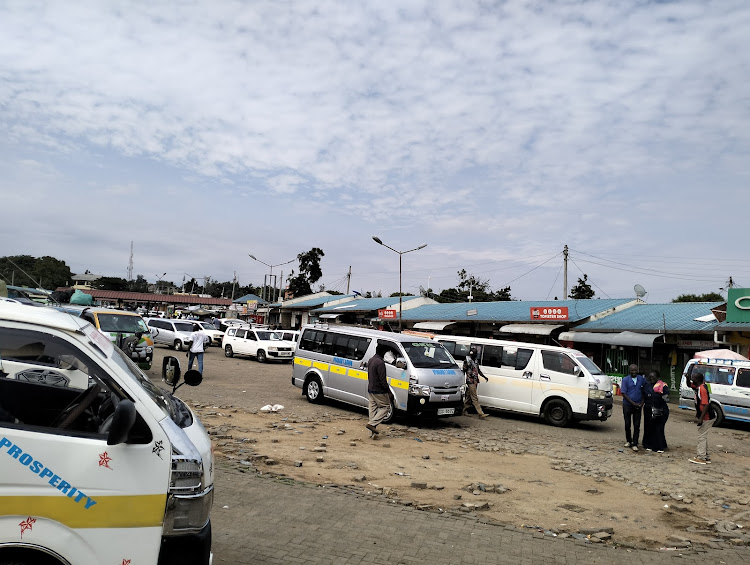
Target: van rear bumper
x: 430, y: 409
x: 189, y: 549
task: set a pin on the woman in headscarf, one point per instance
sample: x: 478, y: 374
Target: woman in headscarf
x: 659, y: 412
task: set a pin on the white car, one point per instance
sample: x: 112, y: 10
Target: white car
x: 215, y: 336
x: 264, y: 345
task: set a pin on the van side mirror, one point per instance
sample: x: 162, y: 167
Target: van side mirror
x: 170, y: 371
x: 577, y: 371
x: 400, y: 363
x: 123, y: 420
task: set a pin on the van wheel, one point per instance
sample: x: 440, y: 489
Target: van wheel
x: 261, y: 356
x: 719, y: 414
x: 557, y: 413
x: 228, y: 351
x: 391, y: 416
x: 314, y: 390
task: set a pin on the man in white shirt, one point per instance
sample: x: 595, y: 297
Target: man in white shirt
x: 196, y: 347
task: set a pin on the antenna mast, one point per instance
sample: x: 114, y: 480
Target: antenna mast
x: 565, y: 273
x: 130, y: 263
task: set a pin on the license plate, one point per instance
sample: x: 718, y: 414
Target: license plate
x: 285, y: 353
x: 446, y: 411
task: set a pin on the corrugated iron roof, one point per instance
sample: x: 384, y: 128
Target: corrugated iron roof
x: 313, y: 302
x: 510, y: 311
x: 149, y: 297
x: 739, y: 326
x: 674, y: 317
x: 365, y: 305
x: 244, y: 299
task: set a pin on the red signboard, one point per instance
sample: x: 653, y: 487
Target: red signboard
x: 387, y: 314
x: 256, y: 318
x: 545, y: 313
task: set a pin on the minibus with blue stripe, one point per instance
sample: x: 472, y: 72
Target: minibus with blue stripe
x: 331, y: 362
x: 98, y: 465
x: 728, y: 382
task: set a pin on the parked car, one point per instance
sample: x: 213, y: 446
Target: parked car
x: 126, y: 329
x: 173, y: 333
x: 215, y: 336
x: 289, y: 335
x: 261, y: 344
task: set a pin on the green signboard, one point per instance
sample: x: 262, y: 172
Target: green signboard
x: 738, y: 305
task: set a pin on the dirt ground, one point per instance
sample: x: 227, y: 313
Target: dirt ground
x: 505, y: 469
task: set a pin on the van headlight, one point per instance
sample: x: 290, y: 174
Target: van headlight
x: 273, y: 348
x: 419, y: 390
x: 188, y: 512
x: 597, y: 394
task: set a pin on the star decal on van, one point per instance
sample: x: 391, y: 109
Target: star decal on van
x: 27, y: 524
x: 104, y: 460
x: 158, y: 448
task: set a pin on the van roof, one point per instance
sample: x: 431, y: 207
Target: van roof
x: 491, y: 341
x: 365, y: 332
x: 719, y: 361
x: 49, y: 317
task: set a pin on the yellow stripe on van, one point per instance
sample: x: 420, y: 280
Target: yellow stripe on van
x: 143, y: 511
x: 395, y: 383
x: 301, y: 361
x: 319, y: 365
x: 337, y: 369
x: 357, y: 374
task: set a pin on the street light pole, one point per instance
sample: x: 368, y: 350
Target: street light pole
x: 158, y: 282
x: 377, y: 240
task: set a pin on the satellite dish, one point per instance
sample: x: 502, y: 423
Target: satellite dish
x: 640, y: 292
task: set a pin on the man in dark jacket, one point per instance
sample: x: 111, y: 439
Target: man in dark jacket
x: 378, y: 391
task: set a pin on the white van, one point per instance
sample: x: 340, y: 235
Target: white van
x: 728, y: 383
x: 173, y: 333
x: 264, y: 345
x: 97, y: 464
x: 557, y: 383
x: 424, y: 378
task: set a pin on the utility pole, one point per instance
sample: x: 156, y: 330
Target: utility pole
x: 348, y: 279
x: 234, y: 282
x: 130, y: 263
x: 565, y: 273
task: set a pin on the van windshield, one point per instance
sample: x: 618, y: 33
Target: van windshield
x: 428, y: 355
x: 121, y: 323
x: 589, y: 365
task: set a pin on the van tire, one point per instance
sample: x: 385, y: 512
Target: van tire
x: 313, y: 390
x: 557, y: 413
x: 177, y: 345
x: 228, y: 351
x: 719, y: 414
x: 261, y: 356
x: 391, y: 416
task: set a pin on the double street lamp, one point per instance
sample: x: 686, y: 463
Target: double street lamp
x: 270, y: 275
x: 377, y: 240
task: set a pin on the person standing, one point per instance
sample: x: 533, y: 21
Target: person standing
x: 657, y: 441
x: 378, y: 391
x: 199, y: 340
x: 632, y: 404
x: 473, y: 372
x: 705, y: 418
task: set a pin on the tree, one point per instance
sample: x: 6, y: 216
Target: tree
x: 309, y: 272
x: 140, y: 284
x: 46, y: 271
x: 503, y: 294
x: 472, y: 283
x: 469, y: 285
x: 706, y: 297
x: 110, y: 283
x: 582, y: 290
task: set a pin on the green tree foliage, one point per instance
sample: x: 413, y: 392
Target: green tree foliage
x: 140, y: 284
x: 309, y: 272
x: 707, y: 297
x: 582, y: 290
x: 110, y: 283
x: 46, y: 271
x: 479, y: 289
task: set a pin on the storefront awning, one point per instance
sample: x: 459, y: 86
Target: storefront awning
x: 621, y: 338
x: 329, y: 316
x: 432, y: 325
x: 529, y: 329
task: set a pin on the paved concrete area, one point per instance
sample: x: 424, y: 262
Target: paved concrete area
x: 265, y: 520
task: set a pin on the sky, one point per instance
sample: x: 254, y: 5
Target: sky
x: 494, y: 132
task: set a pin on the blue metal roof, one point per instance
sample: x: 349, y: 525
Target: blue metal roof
x: 738, y: 326
x: 313, y: 302
x: 365, y: 305
x: 509, y: 311
x: 243, y: 299
x: 674, y: 317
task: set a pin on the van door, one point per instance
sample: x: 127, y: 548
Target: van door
x: 510, y: 370
x: 558, y: 377
x: 398, y: 379
x: 241, y: 344
x: 57, y: 471
x: 340, y: 377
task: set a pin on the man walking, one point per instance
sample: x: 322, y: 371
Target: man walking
x: 473, y: 372
x: 704, y: 417
x: 631, y: 389
x: 196, y: 347
x: 378, y: 391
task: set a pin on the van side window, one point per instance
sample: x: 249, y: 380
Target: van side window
x: 516, y: 357
x: 724, y: 376
x: 559, y: 362
x: 493, y: 356
x: 523, y: 357
x: 743, y: 378
x: 327, y: 346
x: 307, y: 341
x: 51, y: 387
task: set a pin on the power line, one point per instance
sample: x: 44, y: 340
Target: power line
x: 554, y: 282
x: 653, y: 274
x: 532, y: 270
x: 592, y: 282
